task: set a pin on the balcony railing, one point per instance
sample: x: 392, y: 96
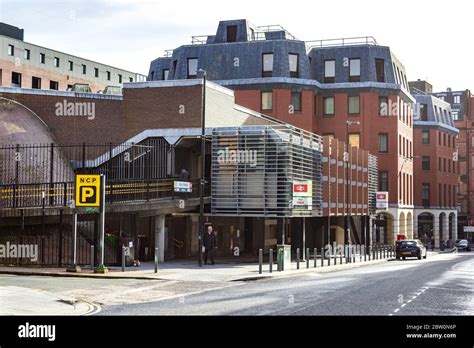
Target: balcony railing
x: 61, y: 194
x: 349, y: 41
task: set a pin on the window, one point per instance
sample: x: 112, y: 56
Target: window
x: 329, y: 135
x: 383, y: 181
x: 354, y: 140
x: 425, y: 163
x: 71, y: 65
x: 27, y: 54
x: 166, y: 74
x: 383, y: 106
x: 423, y: 112
x: 455, y: 115
x: 425, y: 194
x: 329, y: 71
x: 294, y: 65
x: 267, y: 65
x: 56, y: 62
x: 119, y: 78
x: 11, y: 50
x: 42, y: 58
x: 53, y: 85
x: 231, y: 33
x: 383, y: 142
x: 425, y: 137
x: 457, y: 99
x: 175, y: 65
x: 354, y: 70
x: 84, y: 69
x: 328, y: 106
x: 35, y: 82
x: 267, y: 101
x: 296, y: 101
x: 380, y: 70
x: 96, y: 72
x: 16, y: 79
x: 108, y: 76
x: 131, y: 78
x: 354, y: 105
x: 192, y: 68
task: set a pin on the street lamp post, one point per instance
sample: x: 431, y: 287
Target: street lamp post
x: 202, y: 181
x: 346, y: 210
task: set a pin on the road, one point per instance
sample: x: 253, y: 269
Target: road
x: 441, y: 285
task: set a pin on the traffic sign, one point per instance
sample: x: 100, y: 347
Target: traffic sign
x: 88, y: 191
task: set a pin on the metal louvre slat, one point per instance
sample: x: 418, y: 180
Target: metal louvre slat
x: 253, y: 168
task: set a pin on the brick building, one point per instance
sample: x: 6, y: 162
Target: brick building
x: 462, y: 105
x: 27, y: 65
x: 317, y: 86
x: 436, y: 168
x: 131, y: 123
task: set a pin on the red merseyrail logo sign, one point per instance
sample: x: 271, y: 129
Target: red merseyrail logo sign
x: 381, y: 196
x: 300, y: 188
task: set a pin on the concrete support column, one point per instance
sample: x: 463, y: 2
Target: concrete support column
x: 160, y: 236
x: 455, y: 227
x: 194, y: 235
x: 445, y: 235
x: 436, y: 230
x: 415, y: 227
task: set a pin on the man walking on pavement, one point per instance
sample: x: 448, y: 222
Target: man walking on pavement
x: 209, y: 244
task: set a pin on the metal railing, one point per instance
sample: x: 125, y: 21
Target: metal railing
x: 61, y: 194
x: 274, y: 28
x: 348, y: 41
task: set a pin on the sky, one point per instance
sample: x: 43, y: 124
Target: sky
x: 433, y: 39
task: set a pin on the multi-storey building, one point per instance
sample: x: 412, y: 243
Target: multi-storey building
x: 436, y: 167
x: 462, y: 104
x: 26, y: 65
x: 347, y: 88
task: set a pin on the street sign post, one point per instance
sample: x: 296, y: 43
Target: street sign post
x: 90, y: 198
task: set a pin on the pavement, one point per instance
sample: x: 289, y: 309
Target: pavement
x: 16, y: 300
x: 222, y: 288
x: 190, y: 271
x: 443, y: 284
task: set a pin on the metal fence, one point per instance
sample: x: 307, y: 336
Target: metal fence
x: 42, y: 175
x: 52, y: 236
x: 54, y: 163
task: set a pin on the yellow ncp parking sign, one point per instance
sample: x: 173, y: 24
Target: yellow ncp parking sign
x: 87, y: 190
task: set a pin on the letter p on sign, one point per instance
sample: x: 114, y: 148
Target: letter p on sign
x: 88, y: 190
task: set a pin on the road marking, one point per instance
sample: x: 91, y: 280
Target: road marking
x: 421, y: 291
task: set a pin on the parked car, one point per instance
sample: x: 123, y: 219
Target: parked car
x: 463, y: 244
x: 410, y: 248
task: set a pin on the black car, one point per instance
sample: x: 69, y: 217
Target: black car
x: 410, y: 248
x: 463, y: 244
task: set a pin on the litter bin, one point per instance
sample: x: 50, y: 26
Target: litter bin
x: 283, y: 256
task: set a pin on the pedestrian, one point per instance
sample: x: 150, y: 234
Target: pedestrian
x: 432, y: 243
x: 209, y: 243
x: 184, y: 175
